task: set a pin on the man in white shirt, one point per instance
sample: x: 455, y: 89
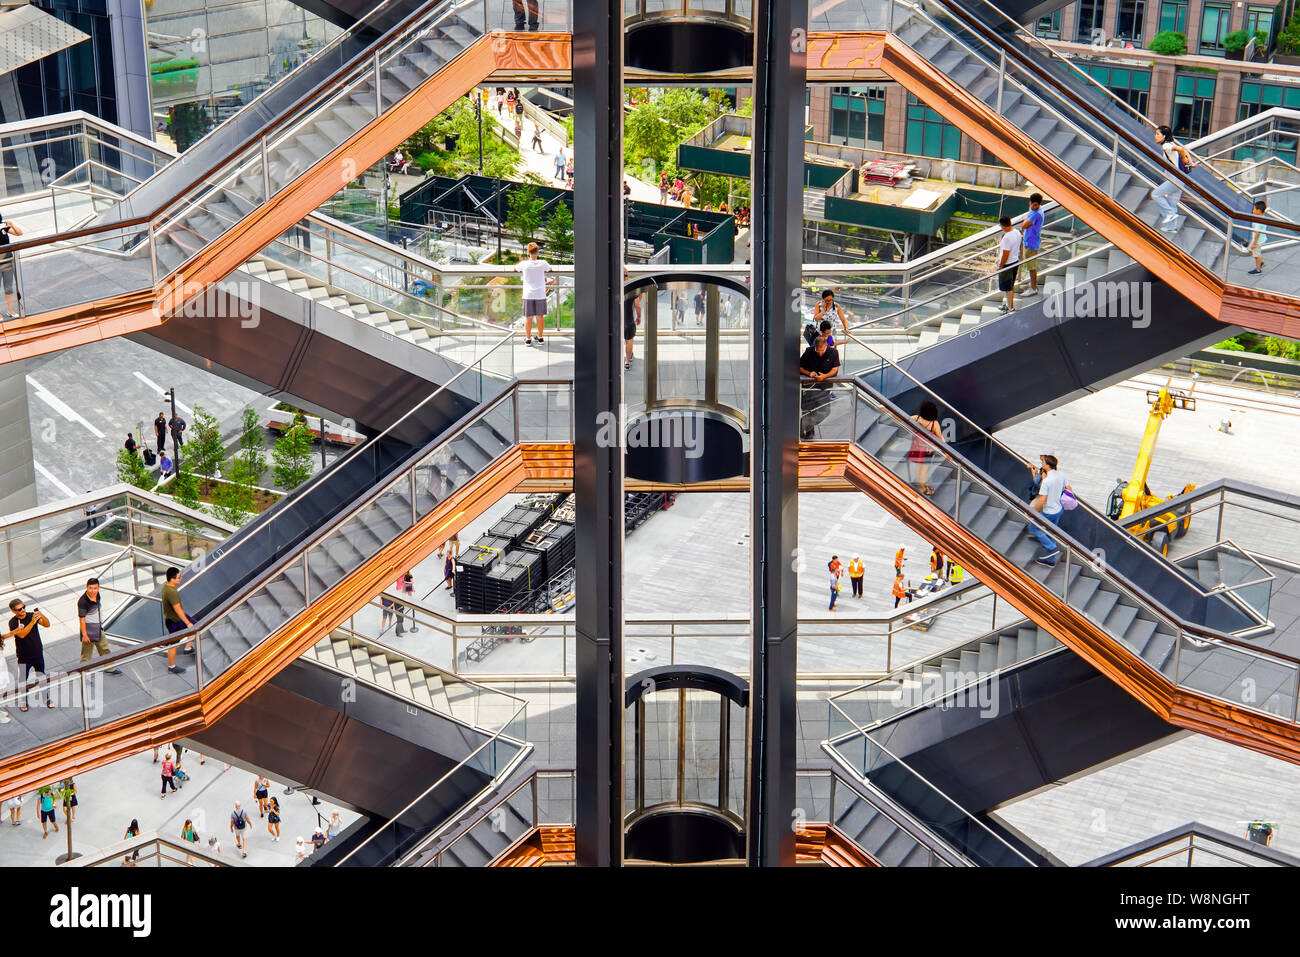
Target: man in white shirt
x: 1008, y: 262
x: 534, y: 271
x: 1048, y: 503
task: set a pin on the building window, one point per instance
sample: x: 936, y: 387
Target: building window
x: 1049, y: 27
x: 1256, y: 98
x: 858, y: 116
x: 1090, y: 18
x: 1193, y: 104
x: 1131, y: 86
x: 1173, y: 16
x: 929, y: 134
x: 1214, y: 27
x: 1260, y: 18
x: 1131, y: 19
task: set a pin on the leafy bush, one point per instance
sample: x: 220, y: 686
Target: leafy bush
x: 1235, y: 41
x: 1288, y: 41
x: 1230, y: 345
x: 1169, y: 43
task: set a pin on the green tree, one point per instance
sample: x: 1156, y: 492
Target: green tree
x: 252, y: 443
x: 131, y: 470
x: 185, y: 487
x: 204, y: 449
x: 429, y: 144
x: 234, y: 502
x: 188, y: 123
x: 559, y: 232
x: 524, y: 217
x: 291, y: 457
x: 660, y: 120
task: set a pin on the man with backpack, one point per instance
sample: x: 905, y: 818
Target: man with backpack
x: 1048, y: 502
x: 240, y: 828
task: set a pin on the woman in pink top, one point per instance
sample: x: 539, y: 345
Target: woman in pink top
x: 168, y: 769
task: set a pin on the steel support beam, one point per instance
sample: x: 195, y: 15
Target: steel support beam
x: 597, y: 466
x: 780, y: 68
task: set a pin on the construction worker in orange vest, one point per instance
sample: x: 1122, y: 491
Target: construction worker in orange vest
x: 899, y: 559
x: 856, y: 572
x: 899, y: 591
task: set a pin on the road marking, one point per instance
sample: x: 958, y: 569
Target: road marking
x: 61, y: 407
x: 160, y: 390
x: 50, y: 475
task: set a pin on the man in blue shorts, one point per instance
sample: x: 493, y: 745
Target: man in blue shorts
x: 1033, y: 229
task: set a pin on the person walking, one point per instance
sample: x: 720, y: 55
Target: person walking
x: 699, y: 307
x: 189, y: 836
x: 1033, y: 240
x: 25, y: 628
x: 535, y: 281
x: 168, y: 772
x: 898, y: 591
x: 857, y: 571
x: 88, y: 620
x: 1257, y: 237
x: 826, y: 307
x: 132, y: 830
x: 900, y: 557
x: 238, y: 827
x: 318, y: 839
x: 1048, y: 504
x: 70, y: 799
x: 927, y: 418
x: 631, y: 319
x: 9, y: 268
x: 520, y: 6
x: 1168, y: 195
x: 664, y: 186
x: 385, y: 611
x: 449, y: 572
x: 174, y: 617
x: 48, y: 816
x: 335, y: 826
x: 833, y: 567
x: 1008, y: 262
x: 560, y: 161
x: 15, y: 806
x: 261, y: 791
x: 537, y: 139
x: 160, y: 432
x: 300, y: 849
x: 273, y: 818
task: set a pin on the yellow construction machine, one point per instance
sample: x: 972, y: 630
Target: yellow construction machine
x: 1134, y: 496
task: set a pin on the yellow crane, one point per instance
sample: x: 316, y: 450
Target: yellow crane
x: 1134, y: 496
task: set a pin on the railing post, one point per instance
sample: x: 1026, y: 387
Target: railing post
x: 1002, y: 77
x: 1218, y: 534
x: 956, y: 500
x: 1114, y: 162
x: 1065, y: 589
x: 1227, y: 248
x: 329, y: 257
x: 306, y: 578
x: 379, y: 103
x: 153, y: 257
x: 889, y: 24
x: 414, y: 514
x: 85, y: 711
x: 198, y: 659
x: 266, y: 173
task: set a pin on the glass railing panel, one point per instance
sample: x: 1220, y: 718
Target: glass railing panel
x: 43, y: 545
x: 63, y: 273
x: 40, y: 725
x: 545, y: 412
x: 146, y: 682
x: 1239, y: 676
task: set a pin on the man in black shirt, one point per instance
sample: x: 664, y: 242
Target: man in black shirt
x: 25, y: 628
x: 160, y: 430
x: 819, y: 363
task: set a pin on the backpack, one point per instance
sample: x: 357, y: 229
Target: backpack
x: 240, y: 819
x: 810, y: 333
x: 149, y: 457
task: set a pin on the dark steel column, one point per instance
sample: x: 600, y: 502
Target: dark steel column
x: 780, y: 68
x: 598, y: 388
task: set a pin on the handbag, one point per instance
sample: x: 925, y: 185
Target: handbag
x: 1068, y: 501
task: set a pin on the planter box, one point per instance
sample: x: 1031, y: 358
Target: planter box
x: 1286, y: 59
x: 281, y: 421
x: 273, y: 493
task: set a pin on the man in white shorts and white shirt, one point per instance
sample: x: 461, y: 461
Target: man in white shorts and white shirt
x: 534, y: 271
